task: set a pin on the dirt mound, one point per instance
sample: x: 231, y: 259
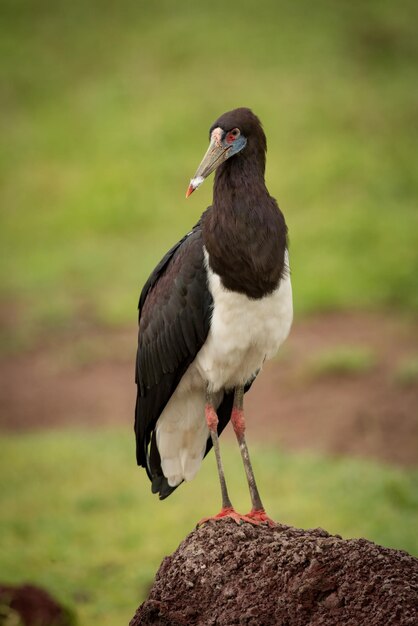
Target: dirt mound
x: 28, y: 605
x: 224, y: 574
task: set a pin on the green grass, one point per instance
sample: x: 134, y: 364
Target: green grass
x: 406, y: 373
x: 342, y: 360
x: 78, y: 517
x: 105, y: 113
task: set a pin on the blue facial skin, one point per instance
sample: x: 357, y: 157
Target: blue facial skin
x: 238, y: 145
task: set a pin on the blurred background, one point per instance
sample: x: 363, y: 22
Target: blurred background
x: 105, y: 115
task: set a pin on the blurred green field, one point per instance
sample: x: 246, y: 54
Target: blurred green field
x: 86, y: 526
x: 105, y: 113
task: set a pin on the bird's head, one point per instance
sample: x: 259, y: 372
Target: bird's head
x: 235, y: 132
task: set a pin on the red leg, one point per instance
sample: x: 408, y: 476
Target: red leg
x: 257, y: 515
x: 227, y: 508
x: 226, y: 512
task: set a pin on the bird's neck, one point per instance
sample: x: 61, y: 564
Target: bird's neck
x: 239, y: 185
x: 244, y: 232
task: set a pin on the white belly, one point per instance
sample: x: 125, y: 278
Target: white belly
x: 244, y: 333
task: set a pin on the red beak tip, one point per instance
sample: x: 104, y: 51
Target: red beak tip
x: 189, y: 191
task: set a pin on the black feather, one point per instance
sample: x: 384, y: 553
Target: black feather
x: 173, y: 325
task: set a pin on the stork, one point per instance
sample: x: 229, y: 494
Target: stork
x: 214, y: 309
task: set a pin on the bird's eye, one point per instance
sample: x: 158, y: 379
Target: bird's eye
x: 232, y: 135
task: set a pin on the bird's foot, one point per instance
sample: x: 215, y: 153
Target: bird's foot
x: 226, y: 512
x: 259, y: 516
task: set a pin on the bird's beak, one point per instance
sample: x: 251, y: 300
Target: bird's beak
x: 215, y: 155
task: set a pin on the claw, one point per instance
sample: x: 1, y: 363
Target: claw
x: 226, y: 512
x: 259, y: 516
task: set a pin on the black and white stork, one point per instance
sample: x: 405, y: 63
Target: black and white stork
x: 214, y: 309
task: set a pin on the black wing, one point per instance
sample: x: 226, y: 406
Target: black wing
x: 174, y: 317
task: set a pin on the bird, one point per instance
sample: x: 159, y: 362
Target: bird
x: 215, y: 308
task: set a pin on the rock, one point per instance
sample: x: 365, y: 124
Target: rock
x: 224, y: 574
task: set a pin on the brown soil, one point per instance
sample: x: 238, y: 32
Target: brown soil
x: 27, y: 605
x: 223, y: 574
x: 88, y: 380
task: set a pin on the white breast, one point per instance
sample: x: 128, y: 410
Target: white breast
x: 243, y: 333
